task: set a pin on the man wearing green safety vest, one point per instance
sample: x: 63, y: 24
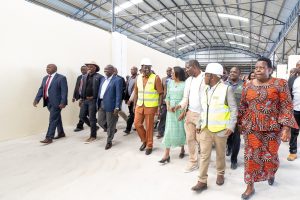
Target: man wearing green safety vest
x: 217, y: 121
x: 148, y: 98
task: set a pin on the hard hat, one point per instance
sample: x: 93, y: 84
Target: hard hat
x: 146, y: 61
x: 214, y: 68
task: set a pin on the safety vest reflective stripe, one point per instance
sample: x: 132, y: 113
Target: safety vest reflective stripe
x: 147, y: 95
x: 216, y: 115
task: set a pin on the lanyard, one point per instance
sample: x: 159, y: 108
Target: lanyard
x: 208, y: 103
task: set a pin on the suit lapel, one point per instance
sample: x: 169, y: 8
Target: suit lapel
x: 52, y: 82
x: 109, y: 84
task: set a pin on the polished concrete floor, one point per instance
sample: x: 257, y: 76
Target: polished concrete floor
x: 68, y: 169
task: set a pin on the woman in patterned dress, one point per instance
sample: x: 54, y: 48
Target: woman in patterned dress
x: 265, y: 117
x: 174, y: 132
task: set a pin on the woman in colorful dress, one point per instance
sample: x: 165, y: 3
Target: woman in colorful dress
x: 265, y: 117
x: 174, y: 132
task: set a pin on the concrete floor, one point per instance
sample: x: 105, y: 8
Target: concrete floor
x: 68, y: 169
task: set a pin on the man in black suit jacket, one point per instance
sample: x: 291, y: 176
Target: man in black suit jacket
x: 54, y: 90
x: 88, y: 99
x: 77, y: 95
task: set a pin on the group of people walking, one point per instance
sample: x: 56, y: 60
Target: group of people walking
x: 196, y: 108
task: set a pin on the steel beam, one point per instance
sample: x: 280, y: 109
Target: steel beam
x: 291, y: 20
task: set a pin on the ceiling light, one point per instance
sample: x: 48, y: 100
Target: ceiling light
x: 153, y: 23
x: 244, y: 36
x: 126, y: 5
x: 173, y: 38
x: 233, y: 17
x: 236, y: 43
x: 186, y: 46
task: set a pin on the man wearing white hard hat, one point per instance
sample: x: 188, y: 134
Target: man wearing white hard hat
x: 148, y: 97
x: 217, y: 121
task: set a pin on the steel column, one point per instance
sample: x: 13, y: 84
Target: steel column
x: 113, y: 18
x: 298, y: 35
x: 175, y: 43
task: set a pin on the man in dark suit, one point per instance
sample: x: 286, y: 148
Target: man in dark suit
x: 109, y: 103
x: 128, y: 92
x: 54, y: 90
x: 77, y: 95
x: 89, y: 94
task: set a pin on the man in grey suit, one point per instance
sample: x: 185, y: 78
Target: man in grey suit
x: 54, y: 90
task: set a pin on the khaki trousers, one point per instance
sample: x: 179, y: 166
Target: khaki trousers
x: 191, y: 120
x: 206, y: 140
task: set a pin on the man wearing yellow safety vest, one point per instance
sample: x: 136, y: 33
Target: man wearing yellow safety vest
x: 148, y: 97
x: 217, y: 121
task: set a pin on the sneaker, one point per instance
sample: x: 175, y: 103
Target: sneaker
x: 190, y: 168
x: 292, y: 157
x: 89, y: 140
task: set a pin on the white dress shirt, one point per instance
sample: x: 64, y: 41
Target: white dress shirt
x: 191, y: 95
x: 296, y: 94
x: 104, y: 86
x: 52, y: 76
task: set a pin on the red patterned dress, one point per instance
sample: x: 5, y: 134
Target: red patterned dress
x: 263, y: 112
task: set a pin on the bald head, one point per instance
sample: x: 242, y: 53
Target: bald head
x: 109, y: 70
x: 134, y: 71
x: 51, y: 69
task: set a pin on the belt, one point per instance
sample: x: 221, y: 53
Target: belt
x: 89, y: 98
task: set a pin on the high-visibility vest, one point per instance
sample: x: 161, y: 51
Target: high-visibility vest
x: 148, y: 95
x: 215, y: 114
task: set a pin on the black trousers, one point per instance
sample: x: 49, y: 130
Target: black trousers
x: 88, y: 107
x: 295, y: 133
x: 233, y: 145
x: 130, y: 119
x: 54, y: 122
x: 162, y: 120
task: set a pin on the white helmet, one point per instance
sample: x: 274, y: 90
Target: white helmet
x: 146, y: 61
x: 214, y: 68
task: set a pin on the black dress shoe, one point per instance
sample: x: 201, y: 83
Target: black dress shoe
x: 181, y: 155
x: 233, y: 165
x: 159, y: 136
x: 271, y: 181
x: 165, y: 160
x: 78, y: 129
x: 148, y: 151
x: 143, y: 147
x: 46, y: 141
x: 126, y: 131
x: 248, y: 196
x: 59, y: 136
x: 108, y: 146
x: 228, y: 152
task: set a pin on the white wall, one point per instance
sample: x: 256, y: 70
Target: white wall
x: 32, y: 37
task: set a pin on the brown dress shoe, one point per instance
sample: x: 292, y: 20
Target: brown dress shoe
x: 199, y: 187
x: 46, y: 141
x: 220, y: 180
x: 60, y: 136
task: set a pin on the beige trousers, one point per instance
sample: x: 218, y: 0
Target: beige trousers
x: 206, y: 140
x: 191, y: 120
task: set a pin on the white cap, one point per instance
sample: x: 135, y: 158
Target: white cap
x: 146, y: 61
x: 214, y: 68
